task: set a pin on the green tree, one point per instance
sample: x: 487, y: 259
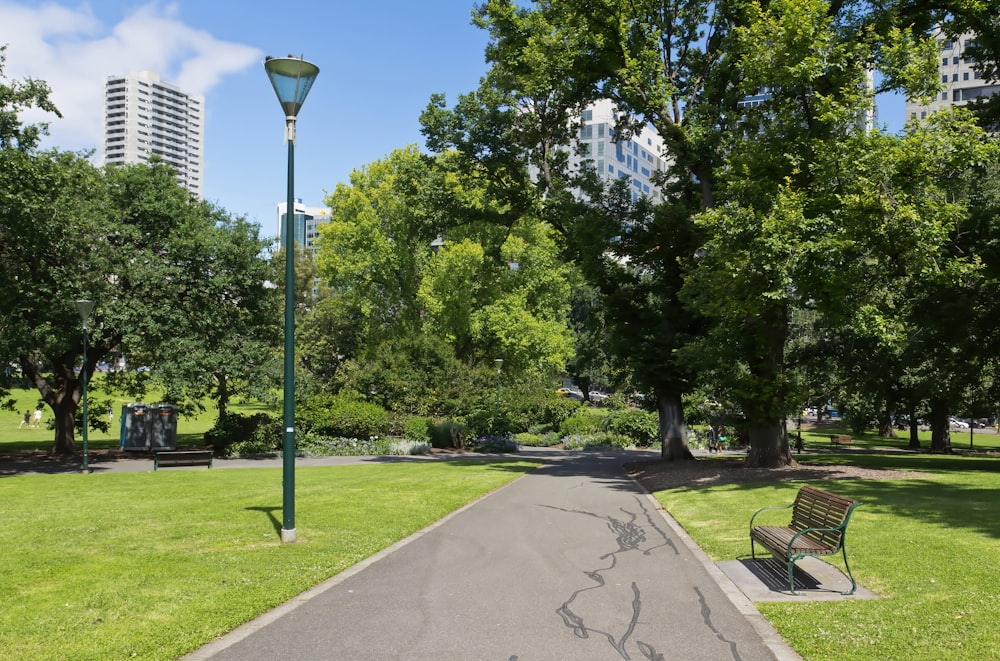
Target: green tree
x: 486, y: 289
x: 684, y: 68
x: 155, y: 261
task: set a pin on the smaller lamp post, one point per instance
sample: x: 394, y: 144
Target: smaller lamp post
x: 499, y: 362
x: 84, y: 308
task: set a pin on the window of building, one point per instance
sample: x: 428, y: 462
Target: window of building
x: 954, y: 77
x: 588, y: 115
x: 947, y: 45
x: 923, y: 114
x: 954, y: 60
x: 944, y: 61
x: 944, y: 79
x: 965, y: 75
x: 944, y: 96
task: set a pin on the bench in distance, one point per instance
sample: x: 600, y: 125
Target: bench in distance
x: 182, y: 458
x: 818, y: 528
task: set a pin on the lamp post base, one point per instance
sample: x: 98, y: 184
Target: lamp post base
x: 288, y: 536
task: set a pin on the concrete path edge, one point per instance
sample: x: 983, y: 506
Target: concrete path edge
x: 782, y: 651
x: 229, y: 639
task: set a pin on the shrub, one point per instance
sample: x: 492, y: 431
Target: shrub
x: 334, y: 416
x: 251, y: 449
x: 408, y: 447
x: 583, y: 421
x: 548, y: 439
x: 447, y: 434
x: 494, y: 444
x: 640, y: 426
x: 489, y: 422
x: 260, y: 429
x: 320, y: 446
x: 596, y: 441
x: 526, y: 438
x: 417, y: 428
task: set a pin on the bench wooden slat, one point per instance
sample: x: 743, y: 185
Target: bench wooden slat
x: 818, y: 527
x: 182, y: 458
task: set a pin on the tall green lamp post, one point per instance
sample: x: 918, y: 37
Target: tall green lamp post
x: 84, y: 308
x: 292, y: 78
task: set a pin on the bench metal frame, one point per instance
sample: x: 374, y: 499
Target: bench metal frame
x: 818, y: 528
x: 182, y: 458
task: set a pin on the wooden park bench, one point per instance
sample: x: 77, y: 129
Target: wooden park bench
x: 818, y: 528
x: 182, y: 458
x: 840, y: 439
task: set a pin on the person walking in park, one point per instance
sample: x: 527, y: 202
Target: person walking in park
x: 713, y: 444
x: 27, y: 420
x: 38, y: 418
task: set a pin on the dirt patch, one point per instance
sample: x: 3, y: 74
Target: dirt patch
x: 659, y: 475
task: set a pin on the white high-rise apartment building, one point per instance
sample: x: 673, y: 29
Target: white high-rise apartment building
x: 635, y: 159
x: 144, y: 116
x: 960, y: 82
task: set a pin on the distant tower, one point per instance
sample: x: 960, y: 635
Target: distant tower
x: 959, y: 81
x: 144, y: 117
x: 636, y: 159
x: 306, y: 221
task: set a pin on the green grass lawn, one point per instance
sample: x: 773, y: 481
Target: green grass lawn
x: 929, y: 546
x: 153, y: 565
x: 981, y: 439
x: 190, y: 429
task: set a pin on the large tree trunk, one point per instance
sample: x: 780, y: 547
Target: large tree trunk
x: 885, y: 426
x: 768, y: 445
x: 940, y: 427
x: 765, y: 423
x: 673, y: 440
x: 63, y: 400
x: 64, y: 411
x: 222, y: 394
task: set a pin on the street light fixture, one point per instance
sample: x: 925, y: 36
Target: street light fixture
x: 292, y: 78
x: 84, y: 308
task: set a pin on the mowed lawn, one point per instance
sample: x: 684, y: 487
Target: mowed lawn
x: 153, y: 565
x: 929, y: 546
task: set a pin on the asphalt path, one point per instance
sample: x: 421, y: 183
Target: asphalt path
x: 571, y: 561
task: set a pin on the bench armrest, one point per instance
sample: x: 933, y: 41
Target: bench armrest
x: 765, y: 509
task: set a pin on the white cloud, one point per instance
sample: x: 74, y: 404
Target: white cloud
x: 71, y: 50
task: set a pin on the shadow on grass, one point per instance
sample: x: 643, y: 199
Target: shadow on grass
x: 916, y: 495
x: 270, y: 515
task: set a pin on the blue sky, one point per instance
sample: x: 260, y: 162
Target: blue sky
x: 379, y: 60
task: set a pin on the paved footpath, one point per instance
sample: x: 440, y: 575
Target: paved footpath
x: 572, y: 561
